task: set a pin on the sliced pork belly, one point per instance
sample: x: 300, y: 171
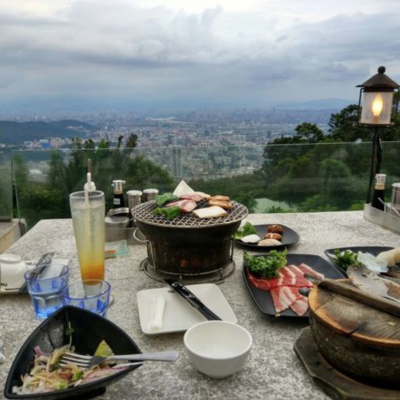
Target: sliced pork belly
x: 284, y: 296
x: 191, y: 196
x: 265, y: 284
x: 185, y: 206
x: 285, y: 288
x: 289, y: 277
x: 306, y: 269
x: 300, y: 306
x: 301, y: 281
x: 203, y: 195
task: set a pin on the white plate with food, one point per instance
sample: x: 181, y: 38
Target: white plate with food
x: 164, y: 311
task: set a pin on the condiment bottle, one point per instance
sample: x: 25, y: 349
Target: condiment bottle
x: 118, y: 200
x: 378, y: 200
x: 134, y: 198
x: 396, y: 194
x: 149, y: 194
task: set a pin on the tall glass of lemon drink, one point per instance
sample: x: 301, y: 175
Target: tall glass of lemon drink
x: 88, y: 213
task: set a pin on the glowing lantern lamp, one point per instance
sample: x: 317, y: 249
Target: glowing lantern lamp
x: 376, y: 105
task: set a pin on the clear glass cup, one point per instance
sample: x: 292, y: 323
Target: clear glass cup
x: 91, y: 294
x: 46, y: 294
x: 88, y: 219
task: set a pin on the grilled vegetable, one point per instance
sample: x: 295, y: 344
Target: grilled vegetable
x: 164, y: 198
x: 169, y: 213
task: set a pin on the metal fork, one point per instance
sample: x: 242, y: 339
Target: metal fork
x: 90, y: 361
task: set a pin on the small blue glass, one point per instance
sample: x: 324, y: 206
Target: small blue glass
x: 91, y: 294
x: 46, y: 294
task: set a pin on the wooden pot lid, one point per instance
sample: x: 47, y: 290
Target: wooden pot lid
x: 341, y: 307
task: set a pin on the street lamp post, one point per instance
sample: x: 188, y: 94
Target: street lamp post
x: 376, y: 105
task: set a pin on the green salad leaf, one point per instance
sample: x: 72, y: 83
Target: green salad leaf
x: 168, y: 212
x: 164, y: 198
x: 69, y: 330
x: 246, y: 230
x: 345, y: 259
x: 266, y: 266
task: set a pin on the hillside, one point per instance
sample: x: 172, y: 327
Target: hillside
x: 15, y: 133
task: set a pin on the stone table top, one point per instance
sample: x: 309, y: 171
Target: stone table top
x: 273, y: 370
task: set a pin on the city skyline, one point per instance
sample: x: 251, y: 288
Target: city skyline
x: 95, y: 54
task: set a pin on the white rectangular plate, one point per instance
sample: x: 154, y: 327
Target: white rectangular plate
x: 178, y: 314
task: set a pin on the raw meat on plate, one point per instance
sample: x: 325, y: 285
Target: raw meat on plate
x: 284, y: 289
x: 288, y: 276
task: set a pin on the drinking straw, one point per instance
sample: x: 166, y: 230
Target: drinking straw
x: 88, y: 187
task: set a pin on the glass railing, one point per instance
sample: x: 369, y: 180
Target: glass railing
x: 6, y: 198
x: 278, y: 178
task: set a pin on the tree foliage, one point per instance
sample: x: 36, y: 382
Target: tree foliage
x: 67, y: 173
x: 332, y: 174
x: 317, y: 172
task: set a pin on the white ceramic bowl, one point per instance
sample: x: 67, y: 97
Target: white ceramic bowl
x: 218, y: 348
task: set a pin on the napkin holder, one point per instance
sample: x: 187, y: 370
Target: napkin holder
x: 384, y: 219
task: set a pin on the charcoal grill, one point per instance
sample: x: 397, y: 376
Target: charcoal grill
x: 188, y: 245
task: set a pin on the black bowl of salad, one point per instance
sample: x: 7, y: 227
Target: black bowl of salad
x: 70, y: 328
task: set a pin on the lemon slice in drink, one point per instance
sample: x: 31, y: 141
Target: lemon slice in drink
x: 103, y: 350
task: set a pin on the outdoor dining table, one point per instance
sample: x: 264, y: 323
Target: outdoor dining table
x: 273, y: 371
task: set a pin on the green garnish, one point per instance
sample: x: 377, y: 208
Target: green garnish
x: 78, y: 375
x: 345, y: 259
x: 70, y: 330
x: 62, y: 385
x: 246, y: 230
x: 162, y: 199
x: 266, y: 266
x: 168, y: 212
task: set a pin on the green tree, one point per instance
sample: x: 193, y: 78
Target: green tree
x: 344, y: 126
x: 67, y: 173
x: 310, y: 132
x: 248, y: 199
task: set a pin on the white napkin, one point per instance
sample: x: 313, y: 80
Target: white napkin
x: 156, y: 312
x: 52, y: 271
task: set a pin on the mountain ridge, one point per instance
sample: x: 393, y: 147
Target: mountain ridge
x: 14, y: 133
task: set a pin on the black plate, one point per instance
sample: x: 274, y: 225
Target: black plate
x: 263, y: 298
x: 289, y: 237
x: 89, y: 330
x: 374, y: 250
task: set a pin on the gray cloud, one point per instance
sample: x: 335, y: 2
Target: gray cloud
x: 114, y: 50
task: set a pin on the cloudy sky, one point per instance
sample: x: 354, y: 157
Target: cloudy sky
x: 150, y: 53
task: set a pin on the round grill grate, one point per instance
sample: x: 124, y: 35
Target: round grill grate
x: 144, y: 213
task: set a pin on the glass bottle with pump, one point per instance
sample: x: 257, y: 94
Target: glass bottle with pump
x: 118, y: 199
x: 378, y: 200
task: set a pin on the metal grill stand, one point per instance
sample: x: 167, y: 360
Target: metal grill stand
x: 188, y: 247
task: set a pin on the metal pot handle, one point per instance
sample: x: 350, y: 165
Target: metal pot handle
x: 136, y: 238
